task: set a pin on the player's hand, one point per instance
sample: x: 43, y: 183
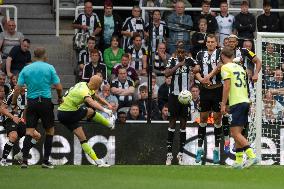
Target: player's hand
x: 206, y: 81
x: 84, y: 27
x: 223, y: 109
x: 255, y: 77
x: 16, y: 119
x: 108, y: 111
x: 110, y: 107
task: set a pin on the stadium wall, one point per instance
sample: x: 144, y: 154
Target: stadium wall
x: 142, y: 144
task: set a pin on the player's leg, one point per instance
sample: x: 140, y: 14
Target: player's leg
x: 99, y: 118
x: 201, y: 135
x: 12, y: 138
x: 226, y: 132
x: 21, y: 129
x: 218, y: 136
x: 86, y: 147
x: 173, y: 114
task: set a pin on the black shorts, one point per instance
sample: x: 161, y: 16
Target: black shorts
x: 210, y: 99
x: 70, y: 119
x: 10, y: 126
x: 239, y: 114
x: 40, y: 108
x: 176, y: 109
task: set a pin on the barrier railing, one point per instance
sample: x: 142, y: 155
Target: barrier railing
x: 8, y: 7
x: 144, y: 9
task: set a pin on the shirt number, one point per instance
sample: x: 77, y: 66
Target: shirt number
x: 241, y: 79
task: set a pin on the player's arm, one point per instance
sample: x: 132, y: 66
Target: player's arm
x: 17, y: 92
x: 170, y: 70
x: 94, y: 104
x: 5, y: 112
x: 257, y: 63
x: 102, y: 101
x: 226, y: 90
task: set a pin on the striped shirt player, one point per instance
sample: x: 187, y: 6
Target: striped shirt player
x: 92, y: 22
x: 133, y: 24
x: 136, y: 56
x: 225, y: 26
x: 245, y: 56
x: 180, y: 69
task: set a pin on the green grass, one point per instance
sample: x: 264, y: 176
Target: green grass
x: 142, y: 177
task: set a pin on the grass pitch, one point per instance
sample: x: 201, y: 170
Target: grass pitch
x: 142, y: 177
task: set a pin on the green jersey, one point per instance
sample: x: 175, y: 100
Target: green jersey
x: 75, y: 96
x: 238, y: 88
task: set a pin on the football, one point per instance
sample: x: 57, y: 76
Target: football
x: 185, y: 97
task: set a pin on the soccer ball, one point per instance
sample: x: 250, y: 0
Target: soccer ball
x: 185, y: 97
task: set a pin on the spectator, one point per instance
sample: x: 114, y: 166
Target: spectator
x: 88, y: 22
x: 212, y: 25
x: 155, y: 87
x: 271, y: 59
x: 195, y: 91
x: 267, y: 22
x: 111, y: 99
x: 123, y: 88
x: 121, y: 117
x: 277, y: 86
x: 226, y: 42
x: 18, y: 58
x: 245, y: 23
x: 179, y: 32
x: 134, y: 113
x: 132, y: 25
x: 94, y: 67
x: 3, y: 83
x: 138, y: 55
x: 160, y: 30
x: 9, y: 38
x: 198, y: 38
x: 113, y: 54
x: 131, y: 72
x: 272, y: 108
x: 163, y: 92
x: 111, y: 25
x: 225, y: 23
x: 143, y: 104
x: 160, y: 61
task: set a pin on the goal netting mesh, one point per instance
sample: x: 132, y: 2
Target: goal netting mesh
x: 267, y: 98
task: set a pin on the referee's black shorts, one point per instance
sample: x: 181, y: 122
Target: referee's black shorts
x: 40, y: 108
x: 70, y: 119
x: 176, y: 109
x: 210, y: 99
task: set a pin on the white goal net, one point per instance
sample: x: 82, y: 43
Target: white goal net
x: 266, y: 128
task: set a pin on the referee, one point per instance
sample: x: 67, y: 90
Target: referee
x: 38, y: 77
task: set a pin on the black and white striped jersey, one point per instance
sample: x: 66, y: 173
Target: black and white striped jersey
x: 208, y: 62
x: 92, y: 21
x: 136, y: 56
x: 245, y: 56
x: 160, y: 33
x: 181, y: 77
x: 84, y: 57
x: 132, y: 24
x: 21, y: 103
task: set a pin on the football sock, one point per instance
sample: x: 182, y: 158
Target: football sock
x: 47, y: 147
x: 217, y: 133
x: 225, y: 124
x: 7, y: 149
x: 182, y: 139
x: 249, y: 152
x: 239, y: 155
x: 89, y: 150
x: 201, y: 133
x: 99, y: 118
x: 170, y: 139
x: 27, y: 145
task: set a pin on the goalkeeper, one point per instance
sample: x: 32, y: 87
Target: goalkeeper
x: 235, y: 90
x: 79, y: 104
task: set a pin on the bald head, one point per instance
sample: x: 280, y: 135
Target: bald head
x: 95, y: 82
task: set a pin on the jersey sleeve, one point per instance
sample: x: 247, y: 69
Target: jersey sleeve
x: 247, y: 53
x: 171, y: 62
x: 226, y: 73
x: 190, y: 61
x: 54, y: 77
